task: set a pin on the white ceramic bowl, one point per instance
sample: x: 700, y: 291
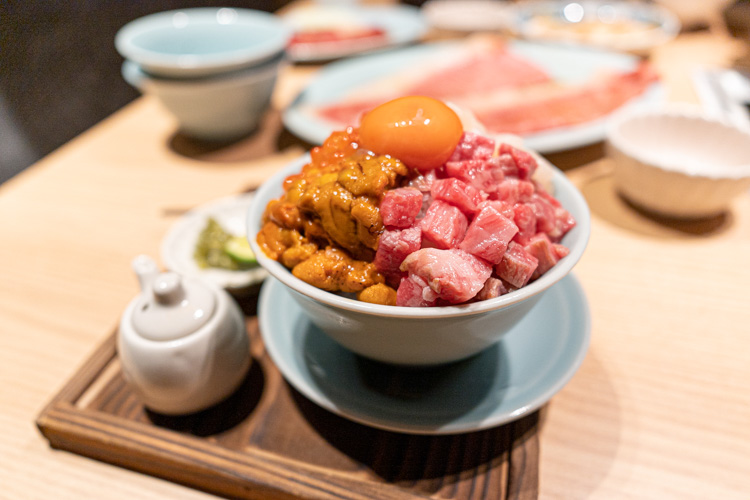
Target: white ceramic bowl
x: 679, y: 162
x: 419, y: 336
x: 216, y: 108
x: 204, y: 41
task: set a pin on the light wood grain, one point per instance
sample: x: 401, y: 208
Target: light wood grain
x: 660, y: 408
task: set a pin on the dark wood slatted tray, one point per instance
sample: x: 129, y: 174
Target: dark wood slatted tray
x: 268, y: 441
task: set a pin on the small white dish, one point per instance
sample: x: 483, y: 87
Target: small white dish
x: 198, y: 42
x: 400, y: 24
x: 679, y: 162
x: 178, y: 245
x: 467, y: 15
x: 514, y: 377
x: 617, y: 25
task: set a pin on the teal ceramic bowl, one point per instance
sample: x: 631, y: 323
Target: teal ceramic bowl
x: 200, y: 42
x: 218, y: 108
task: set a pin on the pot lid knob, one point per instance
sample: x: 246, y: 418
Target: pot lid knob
x: 170, y: 308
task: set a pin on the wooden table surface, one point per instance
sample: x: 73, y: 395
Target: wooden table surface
x: 659, y: 409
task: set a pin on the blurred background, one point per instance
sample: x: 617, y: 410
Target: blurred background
x: 60, y: 72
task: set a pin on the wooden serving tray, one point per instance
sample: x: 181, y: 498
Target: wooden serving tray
x: 267, y: 441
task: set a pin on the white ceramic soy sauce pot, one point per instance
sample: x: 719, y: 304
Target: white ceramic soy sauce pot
x: 182, y: 342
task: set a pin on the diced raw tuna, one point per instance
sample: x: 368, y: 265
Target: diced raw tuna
x: 560, y: 250
x: 525, y: 219
x: 564, y: 222
x: 454, y: 275
x: 457, y: 193
x: 492, y: 288
x: 393, y: 247
x: 476, y: 173
x: 488, y: 235
x: 443, y: 225
x: 473, y: 147
x: 423, y: 181
x: 514, y: 190
x: 541, y: 247
x: 412, y: 291
x: 504, y: 165
x: 506, y: 209
x: 517, y: 266
x: 544, y: 212
x: 400, y: 207
x: 525, y: 164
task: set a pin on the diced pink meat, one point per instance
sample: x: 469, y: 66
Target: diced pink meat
x: 453, y: 275
x: 514, y: 190
x: 412, y: 291
x: 492, y: 288
x: 560, y: 250
x: 517, y: 266
x: 525, y: 219
x: 564, y: 222
x: 443, y: 225
x: 457, y: 193
x: 541, y: 247
x: 400, y: 207
x: 488, y: 235
x: 525, y: 164
x: 394, y: 246
x: 473, y: 147
x: 505, y: 208
x: 504, y: 165
x: 476, y: 173
x: 423, y: 181
x: 544, y: 212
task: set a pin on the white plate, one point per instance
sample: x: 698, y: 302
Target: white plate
x: 565, y: 64
x: 467, y: 15
x: 528, y: 20
x: 401, y: 23
x: 503, y: 383
x: 178, y: 245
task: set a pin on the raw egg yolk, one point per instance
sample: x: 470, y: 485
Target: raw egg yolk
x: 420, y: 131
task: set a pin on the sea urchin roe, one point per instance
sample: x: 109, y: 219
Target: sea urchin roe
x: 378, y: 294
x: 334, y: 270
x: 326, y: 226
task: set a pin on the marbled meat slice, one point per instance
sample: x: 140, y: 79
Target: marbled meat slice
x: 453, y: 275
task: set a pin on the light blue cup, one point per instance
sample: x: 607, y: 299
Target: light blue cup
x: 200, y: 42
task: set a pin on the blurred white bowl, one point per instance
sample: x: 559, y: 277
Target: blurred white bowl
x: 678, y: 162
x: 419, y: 335
x: 467, y: 15
x: 189, y: 43
x: 616, y: 25
x: 215, y: 108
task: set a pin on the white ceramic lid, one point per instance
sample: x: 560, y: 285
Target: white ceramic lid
x: 171, y: 308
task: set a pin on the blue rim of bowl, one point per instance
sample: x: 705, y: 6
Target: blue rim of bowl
x: 273, y: 186
x: 132, y: 72
x: 196, y: 64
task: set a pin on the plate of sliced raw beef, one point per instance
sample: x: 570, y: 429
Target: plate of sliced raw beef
x: 554, y: 97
